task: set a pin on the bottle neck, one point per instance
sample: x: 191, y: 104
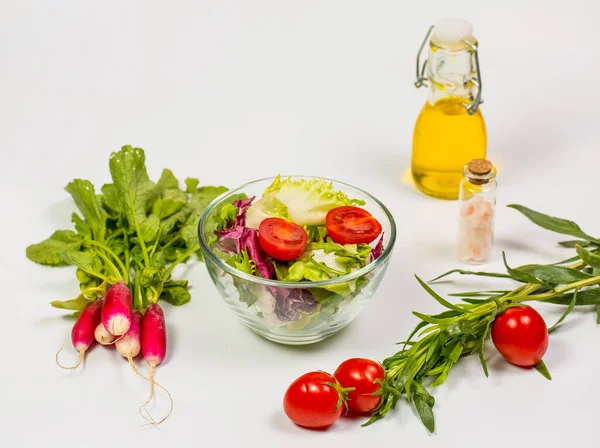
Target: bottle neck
x: 451, y: 73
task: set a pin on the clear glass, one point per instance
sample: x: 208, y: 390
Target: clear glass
x: 256, y: 300
x: 477, y: 202
x: 446, y: 137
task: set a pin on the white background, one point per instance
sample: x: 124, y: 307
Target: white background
x: 234, y: 91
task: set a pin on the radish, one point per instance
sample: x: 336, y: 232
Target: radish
x: 116, y: 312
x: 82, y: 334
x: 102, y: 336
x: 128, y: 345
x: 154, y: 348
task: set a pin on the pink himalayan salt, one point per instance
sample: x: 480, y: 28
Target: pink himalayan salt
x: 476, y: 230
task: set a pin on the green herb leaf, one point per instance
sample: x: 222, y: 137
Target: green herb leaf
x: 422, y: 392
x: 437, y: 297
x: 425, y: 412
x: 553, y: 224
x: 456, y: 352
x: 588, y: 257
x: 77, y: 304
x: 428, y: 319
x: 568, y: 260
x: 87, y: 202
x: 518, y: 275
x: 485, y: 293
x: 48, y: 251
x: 554, y: 274
x: 541, y: 367
x: 572, y: 243
x: 476, y: 301
x: 598, y: 314
x: 190, y: 184
x: 585, y: 297
x: 484, y: 337
x: 566, y: 313
x: 458, y: 327
x: 412, y: 334
x: 442, y: 378
x: 463, y: 272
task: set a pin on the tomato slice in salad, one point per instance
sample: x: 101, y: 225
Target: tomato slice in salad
x: 352, y: 225
x: 281, y: 239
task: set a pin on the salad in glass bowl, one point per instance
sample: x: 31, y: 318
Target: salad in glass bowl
x: 297, y: 258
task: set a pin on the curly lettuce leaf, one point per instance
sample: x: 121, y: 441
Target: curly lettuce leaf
x: 316, y: 233
x: 308, y: 200
x: 242, y: 262
x: 268, y: 207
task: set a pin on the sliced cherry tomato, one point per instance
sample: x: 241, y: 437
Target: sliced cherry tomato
x: 281, y: 239
x: 311, y: 401
x: 361, y: 374
x: 520, y: 335
x: 351, y: 225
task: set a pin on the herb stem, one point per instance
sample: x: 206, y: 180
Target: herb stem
x: 549, y: 295
x: 108, y: 250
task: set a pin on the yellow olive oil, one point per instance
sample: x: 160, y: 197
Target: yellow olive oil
x: 445, y: 138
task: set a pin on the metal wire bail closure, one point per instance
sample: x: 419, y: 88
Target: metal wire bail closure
x: 421, y: 78
x: 472, y: 108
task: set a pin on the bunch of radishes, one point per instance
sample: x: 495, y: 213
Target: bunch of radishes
x: 127, y: 240
x: 111, y: 320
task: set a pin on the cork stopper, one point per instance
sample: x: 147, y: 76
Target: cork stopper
x: 480, y: 167
x: 480, y: 171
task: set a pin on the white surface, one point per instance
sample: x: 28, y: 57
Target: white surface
x: 233, y: 91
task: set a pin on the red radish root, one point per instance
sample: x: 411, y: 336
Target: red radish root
x: 116, y: 312
x: 82, y: 334
x: 102, y: 336
x: 154, y: 349
x: 128, y: 345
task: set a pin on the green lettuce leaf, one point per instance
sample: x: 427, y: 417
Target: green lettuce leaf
x: 267, y: 207
x: 242, y: 262
x: 308, y: 200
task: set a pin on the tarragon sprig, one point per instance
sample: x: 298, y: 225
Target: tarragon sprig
x: 462, y: 329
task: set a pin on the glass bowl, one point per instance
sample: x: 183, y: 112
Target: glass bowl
x: 277, y: 310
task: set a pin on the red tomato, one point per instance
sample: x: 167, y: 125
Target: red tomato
x: 281, y: 239
x: 520, y: 335
x: 352, y: 225
x: 312, y: 403
x: 361, y: 373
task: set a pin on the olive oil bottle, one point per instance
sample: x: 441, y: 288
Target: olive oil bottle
x: 450, y: 130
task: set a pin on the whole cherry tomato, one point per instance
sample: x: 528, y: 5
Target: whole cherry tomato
x: 520, y: 335
x: 361, y: 374
x: 313, y: 400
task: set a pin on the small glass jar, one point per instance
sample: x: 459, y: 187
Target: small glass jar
x: 477, y: 202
